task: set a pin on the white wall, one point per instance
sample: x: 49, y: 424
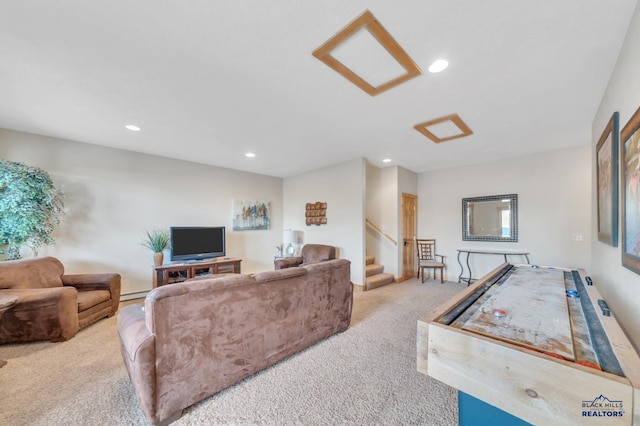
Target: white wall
x: 112, y: 196
x: 554, y: 205
x: 382, y: 210
x: 342, y: 187
x: 385, y: 187
x: 619, y: 285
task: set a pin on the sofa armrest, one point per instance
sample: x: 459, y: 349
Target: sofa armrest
x: 287, y: 262
x: 40, y: 313
x: 138, y: 348
x: 110, y: 282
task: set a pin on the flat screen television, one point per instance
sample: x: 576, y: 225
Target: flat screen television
x: 193, y: 243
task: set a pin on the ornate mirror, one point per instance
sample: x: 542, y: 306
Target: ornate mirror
x: 492, y: 218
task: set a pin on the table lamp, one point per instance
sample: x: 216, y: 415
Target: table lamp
x: 290, y: 240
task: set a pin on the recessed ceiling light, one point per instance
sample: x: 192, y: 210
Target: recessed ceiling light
x: 386, y: 160
x: 250, y: 154
x: 132, y: 128
x: 438, y: 66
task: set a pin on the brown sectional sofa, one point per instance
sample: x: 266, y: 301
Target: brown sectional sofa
x: 195, y: 338
x: 52, y: 305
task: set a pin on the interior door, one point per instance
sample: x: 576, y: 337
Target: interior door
x: 409, y: 217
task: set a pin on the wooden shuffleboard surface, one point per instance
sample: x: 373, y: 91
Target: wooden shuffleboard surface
x: 528, y: 309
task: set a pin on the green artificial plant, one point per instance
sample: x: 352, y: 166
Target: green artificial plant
x: 156, y: 240
x: 30, y: 208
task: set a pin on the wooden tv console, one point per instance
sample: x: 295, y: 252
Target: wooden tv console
x: 188, y: 270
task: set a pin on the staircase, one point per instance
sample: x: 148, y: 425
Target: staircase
x: 375, y: 277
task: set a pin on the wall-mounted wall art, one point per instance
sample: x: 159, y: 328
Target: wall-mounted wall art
x: 607, y: 178
x: 316, y: 213
x: 251, y: 215
x: 630, y: 151
x: 490, y: 218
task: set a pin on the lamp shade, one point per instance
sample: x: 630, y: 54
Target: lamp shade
x: 289, y: 237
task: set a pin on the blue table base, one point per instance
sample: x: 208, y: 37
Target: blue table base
x: 473, y: 412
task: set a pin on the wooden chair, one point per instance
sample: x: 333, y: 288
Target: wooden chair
x: 428, y: 259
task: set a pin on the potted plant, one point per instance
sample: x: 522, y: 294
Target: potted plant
x: 30, y: 206
x: 157, y: 240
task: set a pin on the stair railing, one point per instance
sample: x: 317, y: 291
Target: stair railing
x: 377, y: 228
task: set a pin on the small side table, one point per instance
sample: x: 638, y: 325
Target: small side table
x: 504, y: 253
x: 5, y: 303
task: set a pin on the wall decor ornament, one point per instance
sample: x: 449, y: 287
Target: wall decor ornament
x: 250, y: 215
x: 607, y: 182
x: 316, y: 213
x: 630, y: 151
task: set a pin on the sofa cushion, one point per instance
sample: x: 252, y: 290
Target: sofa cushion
x: 41, y: 272
x: 91, y: 298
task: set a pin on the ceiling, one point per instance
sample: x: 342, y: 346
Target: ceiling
x: 210, y: 80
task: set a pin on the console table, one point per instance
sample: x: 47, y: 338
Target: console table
x: 504, y: 253
x: 189, y: 269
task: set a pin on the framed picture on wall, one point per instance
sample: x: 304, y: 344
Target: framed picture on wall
x: 249, y: 215
x: 630, y: 152
x: 607, y: 182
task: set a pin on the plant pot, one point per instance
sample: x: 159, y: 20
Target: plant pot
x: 157, y: 258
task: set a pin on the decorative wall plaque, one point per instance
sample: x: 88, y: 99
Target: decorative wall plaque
x: 316, y: 213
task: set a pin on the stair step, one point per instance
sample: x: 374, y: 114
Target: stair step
x: 369, y: 259
x: 379, y: 280
x: 373, y: 269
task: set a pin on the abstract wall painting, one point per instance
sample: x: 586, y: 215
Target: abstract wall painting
x: 630, y: 151
x: 607, y: 182
x: 250, y: 215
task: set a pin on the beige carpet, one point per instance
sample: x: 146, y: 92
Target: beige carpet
x: 364, y: 376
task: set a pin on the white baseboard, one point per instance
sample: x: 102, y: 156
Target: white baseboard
x: 136, y: 295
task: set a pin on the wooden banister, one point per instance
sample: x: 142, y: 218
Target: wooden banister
x: 377, y: 228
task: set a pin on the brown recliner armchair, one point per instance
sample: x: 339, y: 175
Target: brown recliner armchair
x: 310, y: 253
x: 51, y: 305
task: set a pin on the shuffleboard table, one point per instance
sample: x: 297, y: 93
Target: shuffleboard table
x: 538, y: 344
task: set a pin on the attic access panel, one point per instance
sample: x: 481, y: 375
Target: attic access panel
x: 369, y: 23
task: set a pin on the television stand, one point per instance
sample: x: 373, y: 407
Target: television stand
x: 207, y: 260
x: 186, y: 270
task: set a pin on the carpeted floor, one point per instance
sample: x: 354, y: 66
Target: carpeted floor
x: 364, y: 376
